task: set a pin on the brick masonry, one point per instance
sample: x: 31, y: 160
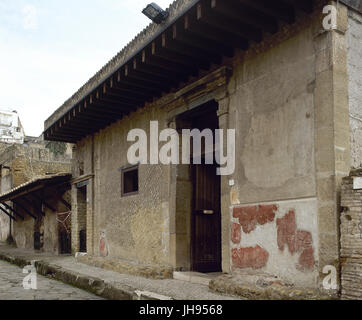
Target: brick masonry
x: 351, y: 238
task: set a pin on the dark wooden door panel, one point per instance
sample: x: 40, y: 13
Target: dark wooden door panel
x: 206, y: 219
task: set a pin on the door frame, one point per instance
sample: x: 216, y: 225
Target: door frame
x: 181, y: 230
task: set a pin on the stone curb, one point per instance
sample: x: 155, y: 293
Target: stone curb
x: 123, y: 267
x: 97, y: 286
x: 225, y: 285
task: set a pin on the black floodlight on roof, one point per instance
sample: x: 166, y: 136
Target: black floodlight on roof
x: 155, y: 13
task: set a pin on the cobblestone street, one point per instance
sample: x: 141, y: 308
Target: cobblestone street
x: 11, y: 287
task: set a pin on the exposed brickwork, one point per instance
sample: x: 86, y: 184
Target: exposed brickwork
x: 351, y: 238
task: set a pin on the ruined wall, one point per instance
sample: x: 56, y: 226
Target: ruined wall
x: 56, y: 222
x: 351, y: 236
x: 133, y: 227
x: 29, y: 163
x: 4, y: 227
x: 354, y: 38
x: 5, y: 185
x: 24, y: 163
x: 23, y: 231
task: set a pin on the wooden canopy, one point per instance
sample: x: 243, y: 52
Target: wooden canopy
x: 194, y: 40
x: 36, y: 190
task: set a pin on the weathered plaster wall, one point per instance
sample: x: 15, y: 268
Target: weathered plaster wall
x: 133, y: 227
x: 289, y: 108
x: 52, y: 225
x: 278, y: 239
x: 272, y: 109
x: 23, y: 232
x: 351, y: 237
x: 287, y: 101
x: 5, y: 185
x: 4, y: 227
x: 354, y: 40
x: 274, y: 164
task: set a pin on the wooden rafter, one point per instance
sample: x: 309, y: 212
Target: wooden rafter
x: 7, y: 213
x: 200, y: 38
x: 12, y: 210
x: 16, y: 202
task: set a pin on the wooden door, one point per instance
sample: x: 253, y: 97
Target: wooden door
x: 206, y: 219
x: 206, y: 189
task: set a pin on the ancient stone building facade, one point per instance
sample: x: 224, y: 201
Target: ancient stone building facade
x: 287, y: 97
x: 21, y: 163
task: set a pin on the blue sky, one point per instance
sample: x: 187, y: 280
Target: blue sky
x: 50, y: 48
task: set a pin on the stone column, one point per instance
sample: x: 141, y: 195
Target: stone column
x: 332, y: 138
x: 75, y: 225
x: 180, y: 210
x: 223, y: 114
x: 90, y: 223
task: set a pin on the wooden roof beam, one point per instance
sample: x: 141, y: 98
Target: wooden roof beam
x: 36, y: 197
x: 162, y: 62
x: 7, y: 213
x: 304, y: 5
x: 130, y: 72
x: 212, y: 33
x: 12, y: 210
x: 228, y: 24
x: 23, y: 208
x: 30, y: 203
x: 172, y: 51
x: 132, y: 87
x: 138, y: 65
x: 274, y: 9
x: 203, y: 46
x: 245, y: 15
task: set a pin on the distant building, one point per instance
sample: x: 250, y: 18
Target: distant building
x: 11, y: 129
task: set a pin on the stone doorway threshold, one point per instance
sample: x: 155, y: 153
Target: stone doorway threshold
x: 196, y: 277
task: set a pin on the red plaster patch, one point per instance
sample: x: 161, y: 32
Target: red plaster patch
x: 250, y: 216
x: 103, y: 248
x: 266, y: 214
x: 255, y: 258
x: 236, y: 233
x: 303, y: 240
x: 306, y: 260
x: 287, y: 228
x: 296, y: 240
